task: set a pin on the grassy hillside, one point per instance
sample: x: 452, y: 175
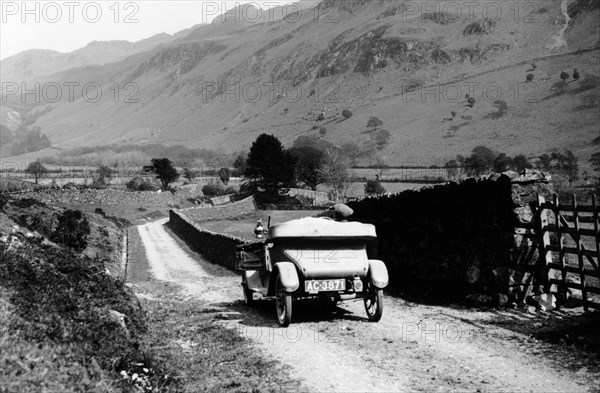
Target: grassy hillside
x: 219, y: 86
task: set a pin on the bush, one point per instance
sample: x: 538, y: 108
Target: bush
x: 346, y: 113
x: 141, y: 184
x: 73, y: 230
x: 214, y: 189
x: 374, y: 187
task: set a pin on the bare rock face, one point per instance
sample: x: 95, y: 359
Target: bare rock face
x: 479, y: 28
x: 118, y: 318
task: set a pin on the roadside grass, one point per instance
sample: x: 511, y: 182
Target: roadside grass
x: 186, y: 336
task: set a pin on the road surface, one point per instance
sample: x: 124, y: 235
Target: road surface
x: 413, y: 348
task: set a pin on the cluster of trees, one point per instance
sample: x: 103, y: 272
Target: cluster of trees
x: 27, y: 141
x: 270, y: 168
x: 118, y: 155
x: 484, y: 160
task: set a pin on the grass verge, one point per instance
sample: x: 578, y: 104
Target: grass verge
x: 187, y: 337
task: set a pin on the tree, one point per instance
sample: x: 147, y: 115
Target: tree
x: 102, y: 174
x: 269, y: 168
x: 335, y: 174
x: 37, y: 170
x: 595, y: 161
x: 502, y: 163
x: 224, y: 175
x: 240, y: 164
x: 452, y: 169
x: 381, y: 139
x: 189, y: 173
x: 520, y: 163
x: 352, y: 151
x: 564, y: 76
x: 374, y: 187
x: 481, y: 161
x: 576, y: 74
x: 312, y: 141
x: 165, y: 172
x: 308, y: 165
x: 544, y: 163
x: 347, y: 114
x: 29, y: 140
x: 380, y: 167
x: 565, y: 163
x: 530, y: 77
x: 374, y: 123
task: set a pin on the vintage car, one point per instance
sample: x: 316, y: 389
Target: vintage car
x: 313, y: 257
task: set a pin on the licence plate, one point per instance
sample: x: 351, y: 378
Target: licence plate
x: 325, y: 285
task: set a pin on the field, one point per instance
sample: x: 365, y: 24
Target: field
x: 244, y: 226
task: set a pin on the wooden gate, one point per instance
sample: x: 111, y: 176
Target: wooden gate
x: 571, y: 250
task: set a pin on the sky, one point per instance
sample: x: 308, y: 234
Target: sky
x: 67, y: 25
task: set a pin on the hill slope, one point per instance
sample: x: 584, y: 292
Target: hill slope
x: 221, y: 85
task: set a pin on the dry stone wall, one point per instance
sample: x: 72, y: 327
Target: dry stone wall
x: 216, y: 248
x: 103, y: 197
x: 449, y: 241
x: 236, y: 209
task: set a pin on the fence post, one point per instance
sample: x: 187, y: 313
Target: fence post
x: 545, y: 251
x: 596, y: 225
x: 561, y: 244
x: 580, y: 254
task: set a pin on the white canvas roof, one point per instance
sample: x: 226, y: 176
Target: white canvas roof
x: 321, y: 228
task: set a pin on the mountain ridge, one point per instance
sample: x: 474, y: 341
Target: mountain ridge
x: 199, y: 89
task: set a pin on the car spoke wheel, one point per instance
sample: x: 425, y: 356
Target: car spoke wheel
x: 373, y: 302
x: 283, y: 303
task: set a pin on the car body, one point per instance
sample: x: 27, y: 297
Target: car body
x: 313, y: 257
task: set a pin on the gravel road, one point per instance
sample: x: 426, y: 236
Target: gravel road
x: 413, y: 348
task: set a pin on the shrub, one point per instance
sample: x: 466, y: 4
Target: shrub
x: 100, y: 211
x: 224, y: 175
x: 141, y: 184
x: 347, y: 114
x: 73, y: 230
x: 374, y: 187
x: 530, y: 77
x: 214, y: 189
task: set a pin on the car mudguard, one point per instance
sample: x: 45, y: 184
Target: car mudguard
x: 289, y: 276
x: 378, y: 273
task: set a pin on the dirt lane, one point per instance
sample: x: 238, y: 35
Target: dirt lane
x: 413, y: 348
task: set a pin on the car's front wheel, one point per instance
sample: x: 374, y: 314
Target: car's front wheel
x: 283, y: 303
x: 373, y: 302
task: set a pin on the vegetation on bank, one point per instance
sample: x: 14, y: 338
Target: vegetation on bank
x: 70, y: 325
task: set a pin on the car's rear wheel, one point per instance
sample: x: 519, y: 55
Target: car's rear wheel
x: 373, y: 302
x: 283, y: 303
